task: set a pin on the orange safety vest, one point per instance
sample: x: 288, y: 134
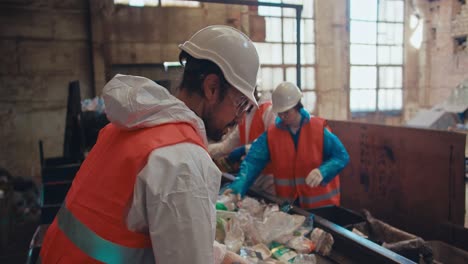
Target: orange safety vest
x: 91, y: 225
x: 257, y: 127
x: 291, y: 166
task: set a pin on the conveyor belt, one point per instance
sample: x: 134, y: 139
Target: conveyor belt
x: 348, y: 247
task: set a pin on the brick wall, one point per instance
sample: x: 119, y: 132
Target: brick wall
x: 43, y: 45
x: 460, y: 22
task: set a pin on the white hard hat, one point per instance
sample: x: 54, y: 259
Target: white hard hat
x: 232, y: 51
x: 285, y: 96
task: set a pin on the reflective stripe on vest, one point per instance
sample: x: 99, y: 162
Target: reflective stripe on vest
x: 319, y: 198
x: 291, y: 183
x: 97, y: 247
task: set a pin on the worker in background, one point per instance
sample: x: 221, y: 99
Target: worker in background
x: 146, y: 192
x: 237, y: 143
x: 305, y: 155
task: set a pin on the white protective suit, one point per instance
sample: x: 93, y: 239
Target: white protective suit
x: 232, y: 140
x: 175, y: 193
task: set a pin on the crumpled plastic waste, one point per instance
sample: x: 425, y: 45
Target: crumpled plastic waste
x: 219, y: 251
x: 323, y: 241
x: 254, y: 207
x: 305, y: 259
x: 301, y: 245
x: 234, y: 236
x: 255, y: 253
x: 279, y: 224
x: 263, y: 234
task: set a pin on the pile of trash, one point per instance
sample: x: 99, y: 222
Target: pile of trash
x: 19, y: 208
x: 251, y: 232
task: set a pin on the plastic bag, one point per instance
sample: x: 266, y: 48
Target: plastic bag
x: 220, y: 229
x: 323, y: 241
x: 269, y: 209
x: 279, y: 224
x: 219, y: 251
x: 254, y: 207
x: 248, y: 225
x: 234, y: 236
x: 301, y: 245
x: 305, y: 259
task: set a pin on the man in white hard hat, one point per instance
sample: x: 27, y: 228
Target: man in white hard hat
x: 305, y: 155
x: 146, y: 192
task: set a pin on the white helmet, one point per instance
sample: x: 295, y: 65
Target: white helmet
x: 232, y: 51
x: 285, y: 96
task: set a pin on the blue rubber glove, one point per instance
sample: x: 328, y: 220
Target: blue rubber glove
x: 255, y: 161
x: 236, y: 154
x: 239, y: 186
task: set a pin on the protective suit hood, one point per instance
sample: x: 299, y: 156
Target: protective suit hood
x: 134, y: 102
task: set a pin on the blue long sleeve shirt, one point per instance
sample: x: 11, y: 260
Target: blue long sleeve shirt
x: 335, y: 157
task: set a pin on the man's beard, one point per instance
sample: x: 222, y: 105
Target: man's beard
x: 212, y: 133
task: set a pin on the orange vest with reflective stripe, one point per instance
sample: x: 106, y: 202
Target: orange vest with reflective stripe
x: 257, y: 127
x: 102, y: 190
x: 291, y: 166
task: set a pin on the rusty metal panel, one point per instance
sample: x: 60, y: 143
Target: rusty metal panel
x: 410, y: 178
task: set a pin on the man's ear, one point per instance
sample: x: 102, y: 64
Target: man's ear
x: 211, y: 87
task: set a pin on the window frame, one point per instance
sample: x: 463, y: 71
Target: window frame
x: 284, y: 66
x: 378, y: 66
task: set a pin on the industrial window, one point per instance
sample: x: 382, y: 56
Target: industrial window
x: 376, y: 56
x: 158, y: 3
x: 278, y: 52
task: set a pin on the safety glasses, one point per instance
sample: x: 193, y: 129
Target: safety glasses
x: 241, y: 103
